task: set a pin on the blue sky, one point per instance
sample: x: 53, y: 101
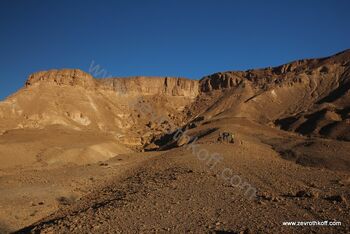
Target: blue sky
x: 165, y: 38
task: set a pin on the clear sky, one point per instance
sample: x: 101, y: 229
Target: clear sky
x: 166, y: 37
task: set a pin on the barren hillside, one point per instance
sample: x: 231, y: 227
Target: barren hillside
x: 137, y: 154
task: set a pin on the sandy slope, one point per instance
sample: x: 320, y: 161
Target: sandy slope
x: 29, y: 194
x: 180, y: 192
x: 55, y: 146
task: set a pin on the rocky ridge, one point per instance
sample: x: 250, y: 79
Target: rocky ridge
x: 312, y: 92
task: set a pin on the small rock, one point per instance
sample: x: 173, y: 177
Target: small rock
x: 307, y: 194
x: 192, y: 125
x: 32, y: 214
x: 336, y: 198
x: 151, y: 125
x: 184, y: 139
x: 261, y: 202
x: 151, y: 147
x: 344, y: 182
x: 266, y: 196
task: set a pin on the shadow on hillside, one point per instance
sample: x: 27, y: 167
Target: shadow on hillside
x: 169, y: 141
x: 313, y: 152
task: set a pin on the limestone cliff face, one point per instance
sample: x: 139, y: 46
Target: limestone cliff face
x: 72, y: 77
x: 221, y: 80
x: 300, y: 71
x: 131, y: 109
x: 170, y: 86
x: 141, y: 85
x: 308, y: 92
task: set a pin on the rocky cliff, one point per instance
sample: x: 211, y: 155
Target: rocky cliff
x: 72, y: 77
x: 170, y: 86
x: 139, y: 85
x: 310, y: 96
x: 132, y: 109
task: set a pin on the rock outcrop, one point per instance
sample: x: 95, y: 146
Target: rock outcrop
x: 72, y: 77
x: 139, y: 85
x: 170, y: 86
x: 219, y: 81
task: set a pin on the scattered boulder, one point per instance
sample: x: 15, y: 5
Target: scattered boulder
x: 183, y: 140
x: 333, y: 116
x: 151, y: 125
x: 65, y: 201
x: 192, y: 125
x: 307, y: 194
x: 226, y: 137
x: 267, y: 197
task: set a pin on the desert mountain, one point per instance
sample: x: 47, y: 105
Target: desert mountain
x: 309, y: 96
x: 73, y: 160
x: 312, y: 92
